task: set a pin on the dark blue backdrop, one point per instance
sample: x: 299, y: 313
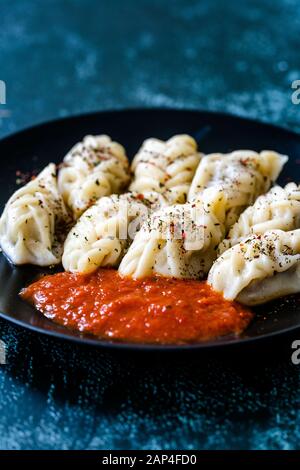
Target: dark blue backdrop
x: 60, y: 57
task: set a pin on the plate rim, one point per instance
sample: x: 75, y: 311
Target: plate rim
x: 90, y: 114
x: 74, y: 337
x: 209, y: 345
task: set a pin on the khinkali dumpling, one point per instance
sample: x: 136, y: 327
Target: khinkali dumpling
x: 166, y: 167
x: 259, y: 269
x: 277, y: 209
x: 105, y: 230
x: 93, y: 168
x: 178, y: 241
x: 34, y: 222
x: 242, y: 174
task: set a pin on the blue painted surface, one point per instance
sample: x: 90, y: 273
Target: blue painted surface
x: 64, y: 57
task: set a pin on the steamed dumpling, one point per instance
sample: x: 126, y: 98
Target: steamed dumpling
x: 277, y: 209
x: 259, y: 269
x: 34, y: 222
x: 178, y: 241
x: 105, y: 230
x: 166, y: 167
x: 242, y: 174
x: 93, y: 168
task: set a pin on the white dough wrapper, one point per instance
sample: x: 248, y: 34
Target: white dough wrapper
x: 259, y: 269
x: 93, y: 168
x: 105, y: 230
x: 178, y: 241
x: 242, y: 174
x: 166, y: 167
x: 35, y: 221
x: 278, y: 209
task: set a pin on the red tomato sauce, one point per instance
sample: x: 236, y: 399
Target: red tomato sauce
x: 152, y: 310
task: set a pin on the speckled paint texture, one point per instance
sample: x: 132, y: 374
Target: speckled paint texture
x: 60, y: 57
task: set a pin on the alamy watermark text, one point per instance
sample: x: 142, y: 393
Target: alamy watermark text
x: 2, y: 352
x: 296, y: 94
x: 2, y: 92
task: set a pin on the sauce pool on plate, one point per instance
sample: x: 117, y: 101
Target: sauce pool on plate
x: 155, y: 310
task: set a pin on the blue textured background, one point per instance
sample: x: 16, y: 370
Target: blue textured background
x: 60, y: 57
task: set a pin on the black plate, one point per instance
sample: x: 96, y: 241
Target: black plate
x: 32, y: 149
